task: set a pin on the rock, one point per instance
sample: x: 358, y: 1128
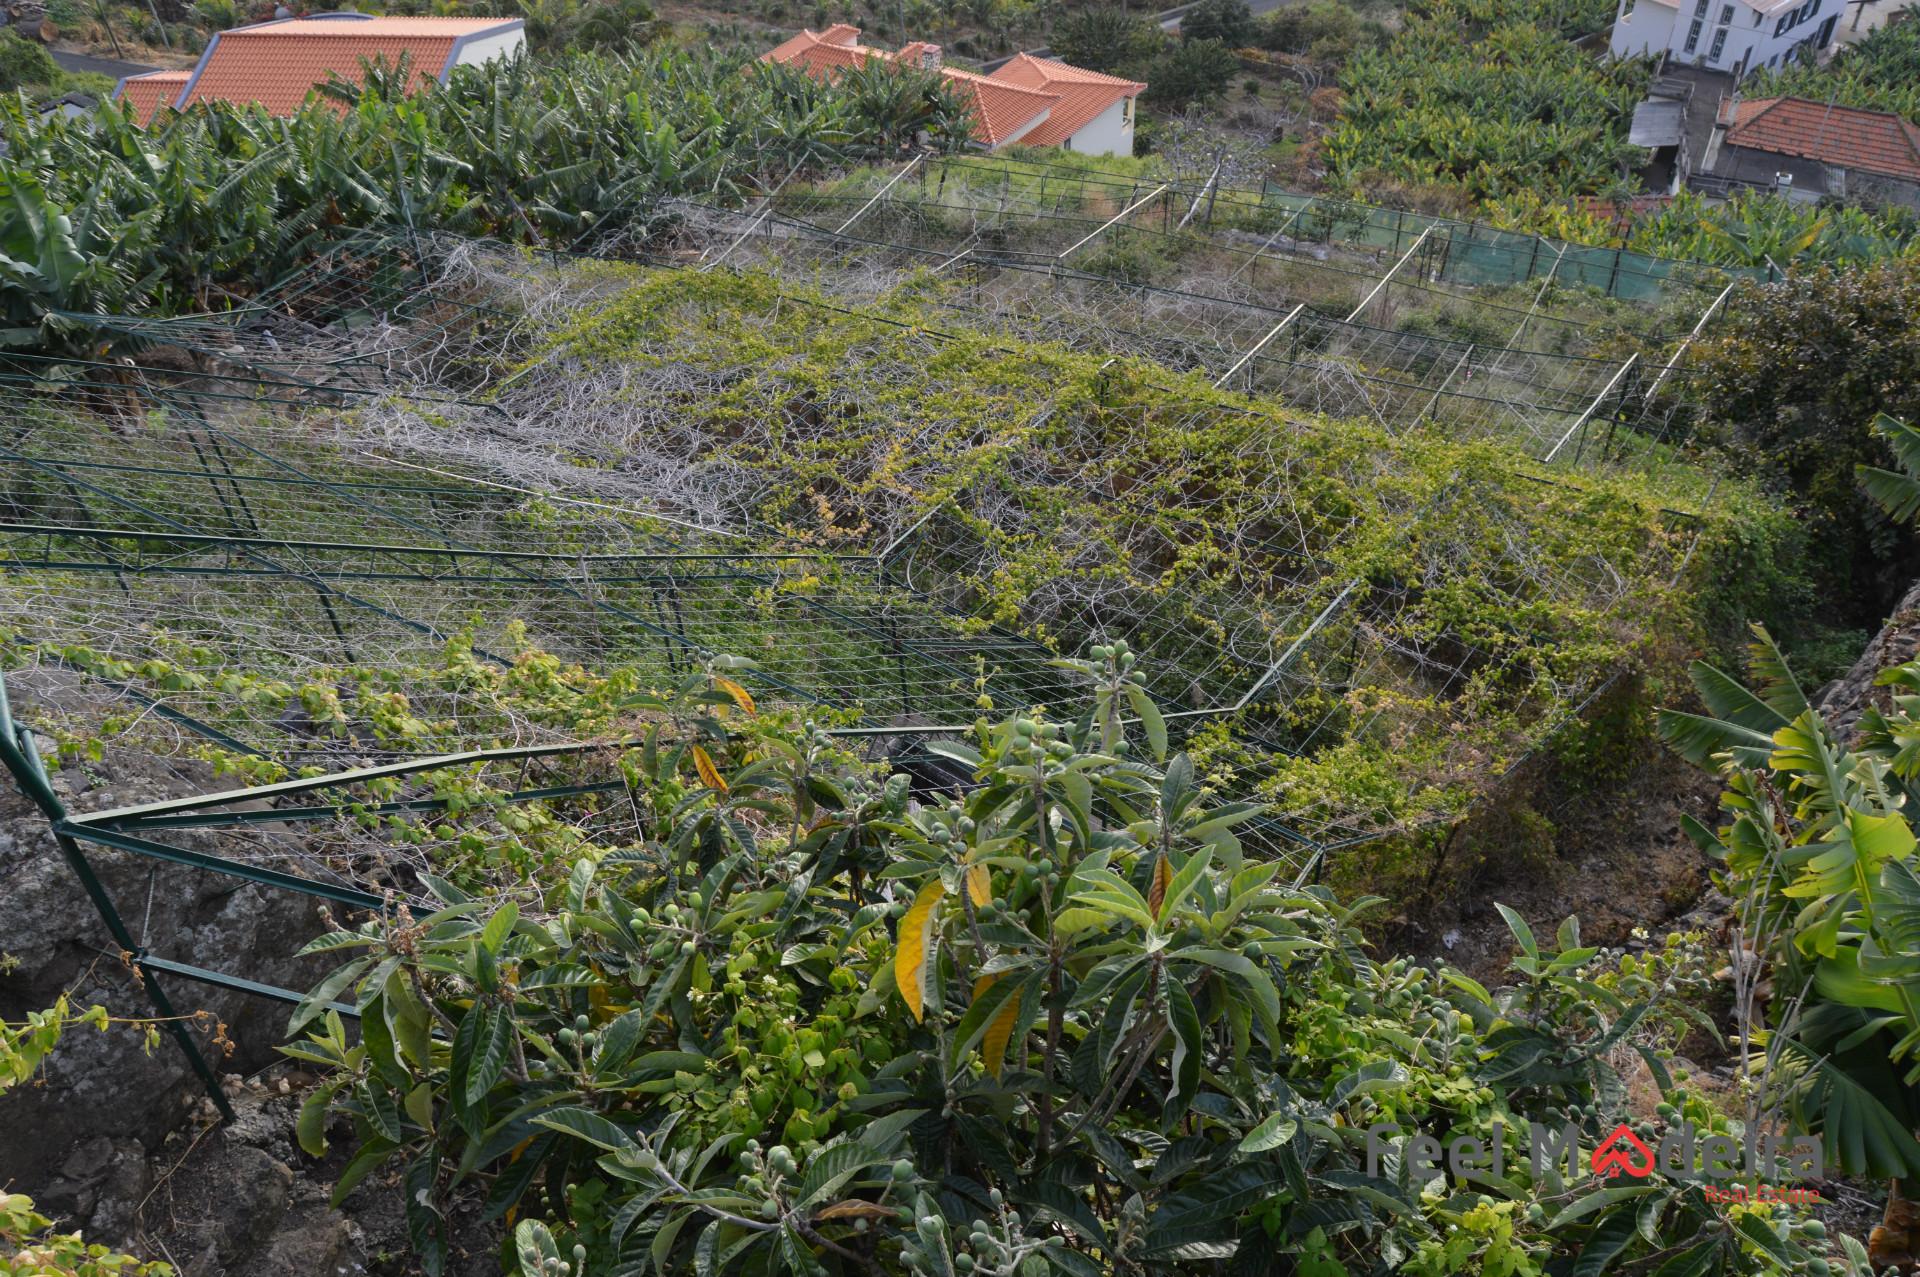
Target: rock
x: 116, y: 1216
x: 233, y: 1206
x: 312, y: 1242
x: 107, y: 1085
x: 1845, y: 699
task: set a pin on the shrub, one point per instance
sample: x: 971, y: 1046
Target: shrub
x: 798, y: 1020
x: 1228, y: 21
x: 1104, y: 39
x: 1818, y: 858
x: 25, y: 64
x: 1323, y: 30
x: 1792, y: 380
x: 1191, y: 71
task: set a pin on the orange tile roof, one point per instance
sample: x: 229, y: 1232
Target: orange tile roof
x: 821, y: 57
x: 149, y: 92
x: 1002, y: 112
x: 278, y: 64
x: 1845, y: 137
x: 1083, y: 94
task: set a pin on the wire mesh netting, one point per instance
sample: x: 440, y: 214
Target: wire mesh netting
x: 401, y: 460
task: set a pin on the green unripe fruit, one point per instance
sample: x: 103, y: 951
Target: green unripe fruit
x: 1814, y: 1228
x: 581, y: 1023
x: 686, y: 946
x: 860, y: 1225
x: 769, y: 1209
x: 902, y: 1171
x: 1024, y: 727
x: 1818, y: 1267
x: 963, y: 1263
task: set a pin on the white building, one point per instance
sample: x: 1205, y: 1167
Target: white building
x: 1735, y: 36
x: 279, y: 64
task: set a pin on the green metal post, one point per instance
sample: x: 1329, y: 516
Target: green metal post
x: 23, y: 760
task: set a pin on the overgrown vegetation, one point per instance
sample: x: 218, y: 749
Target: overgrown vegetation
x: 1492, y: 97
x: 1092, y: 1039
x: 1792, y: 381
x: 1074, y: 474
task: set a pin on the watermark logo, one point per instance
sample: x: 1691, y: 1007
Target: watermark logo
x: 1623, y: 1153
x: 1762, y: 1167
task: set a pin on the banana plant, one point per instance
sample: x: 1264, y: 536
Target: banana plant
x: 1819, y: 850
x: 1897, y: 491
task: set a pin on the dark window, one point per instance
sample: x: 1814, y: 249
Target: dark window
x: 1719, y: 43
x: 1693, y: 36
x: 1726, y: 14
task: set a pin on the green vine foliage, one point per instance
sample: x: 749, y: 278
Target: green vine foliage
x: 30, y: 1245
x: 1206, y: 515
x: 789, y: 1018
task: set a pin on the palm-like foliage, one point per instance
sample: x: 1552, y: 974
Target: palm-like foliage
x: 1898, y: 492
x: 1819, y: 852
x: 99, y: 216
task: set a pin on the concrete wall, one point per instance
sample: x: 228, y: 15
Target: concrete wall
x: 1108, y: 133
x: 1873, y: 188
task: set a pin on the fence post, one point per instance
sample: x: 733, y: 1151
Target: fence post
x: 23, y: 760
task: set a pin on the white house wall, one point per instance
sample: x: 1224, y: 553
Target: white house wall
x: 1108, y: 133
x: 1745, y: 38
x: 486, y: 48
x: 1646, y: 28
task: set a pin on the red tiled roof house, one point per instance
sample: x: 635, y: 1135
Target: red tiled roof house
x: 1029, y: 101
x: 1817, y: 148
x: 279, y: 64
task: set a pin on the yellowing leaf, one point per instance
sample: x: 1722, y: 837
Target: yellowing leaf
x: 1162, y: 879
x: 993, y: 1043
x: 739, y: 693
x: 709, y: 774
x: 855, y: 1208
x: 979, y: 886
x: 910, y: 957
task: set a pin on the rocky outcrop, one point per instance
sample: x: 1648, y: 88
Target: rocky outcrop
x: 1847, y: 697
x: 64, y: 1137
